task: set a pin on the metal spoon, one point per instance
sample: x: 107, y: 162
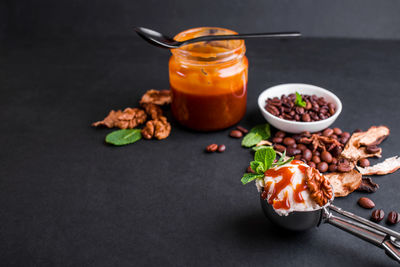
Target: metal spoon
x: 161, y: 40
x: 373, y: 233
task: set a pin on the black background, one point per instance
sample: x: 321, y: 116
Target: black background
x: 67, y: 199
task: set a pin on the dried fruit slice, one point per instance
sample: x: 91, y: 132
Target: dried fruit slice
x: 389, y: 165
x: 354, y: 152
x: 374, y: 136
x: 344, y: 183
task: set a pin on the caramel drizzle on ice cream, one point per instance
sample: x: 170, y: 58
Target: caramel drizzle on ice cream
x: 287, y: 174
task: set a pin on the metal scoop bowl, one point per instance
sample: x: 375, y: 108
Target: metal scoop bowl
x: 371, y: 232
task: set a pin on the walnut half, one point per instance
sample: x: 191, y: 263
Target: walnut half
x: 129, y: 118
x: 319, y: 187
x: 159, y: 128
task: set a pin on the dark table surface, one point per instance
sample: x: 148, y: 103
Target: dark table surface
x: 67, y: 199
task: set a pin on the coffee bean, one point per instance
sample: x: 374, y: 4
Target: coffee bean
x: 316, y: 159
x: 212, y: 148
x: 334, y: 161
x: 337, y: 131
x: 322, y: 166
x: 363, y: 163
x: 312, y: 164
x: 293, y: 151
x: 221, y: 148
x: 366, y: 203
x: 326, y: 156
x: 336, y: 151
x: 372, y: 149
x: 316, y: 153
x: 327, y: 132
x: 299, y: 110
x: 305, y: 117
x: 332, y: 167
x: 297, y: 157
x: 345, y: 134
x: 277, y: 140
x: 236, y: 134
x: 343, y: 140
x: 250, y: 170
x: 302, y: 147
x: 305, y: 134
x: 280, y: 134
x: 344, y: 167
x: 288, y: 141
x: 293, y: 146
x: 279, y: 148
x: 378, y: 215
x: 242, y: 129
x: 307, y: 154
x: 393, y: 217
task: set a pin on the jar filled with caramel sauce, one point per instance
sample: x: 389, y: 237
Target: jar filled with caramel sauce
x: 208, y: 81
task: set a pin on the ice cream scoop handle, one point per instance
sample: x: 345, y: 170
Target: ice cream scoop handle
x: 371, y: 235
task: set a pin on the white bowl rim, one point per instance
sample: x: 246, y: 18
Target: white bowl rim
x: 334, y: 116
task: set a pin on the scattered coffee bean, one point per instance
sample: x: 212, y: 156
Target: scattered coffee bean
x: 366, y: 203
x: 312, y: 164
x: 212, y: 148
x: 372, y: 149
x: 378, y: 215
x: 302, y: 147
x: 307, y: 154
x: 363, y: 163
x: 367, y: 185
x: 393, y: 217
x: 326, y: 156
x: 322, y: 166
x: 221, y: 148
x: 344, y: 167
x: 332, y: 167
x: 337, y: 131
x: 277, y: 140
x: 279, y: 148
x: 316, y: 159
x: 288, y: 141
x: 293, y: 151
x: 327, y: 132
x: 242, y: 129
x: 236, y: 134
x: 280, y: 134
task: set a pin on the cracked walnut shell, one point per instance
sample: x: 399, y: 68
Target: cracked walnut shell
x: 319, y: 187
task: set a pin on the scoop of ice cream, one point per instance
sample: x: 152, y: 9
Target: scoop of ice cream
x: 285, y: 188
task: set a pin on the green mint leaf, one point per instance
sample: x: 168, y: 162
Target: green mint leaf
x: 266, y: 156
x: 299, y: 101
x: 251, y: 139
x: 260, y: 147
x: 256, y: 134
x: 282, y: 158
x: 248, y: 177
x: 123, y: 137
x: 281, y: 161
x: 257, y: 167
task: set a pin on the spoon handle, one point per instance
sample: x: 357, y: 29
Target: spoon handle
x: 243, y: 36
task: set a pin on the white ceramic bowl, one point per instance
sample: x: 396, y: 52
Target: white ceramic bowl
x: 296, y: 126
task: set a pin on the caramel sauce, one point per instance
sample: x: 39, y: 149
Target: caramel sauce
x: 282, y: 204
x: 286, y: 180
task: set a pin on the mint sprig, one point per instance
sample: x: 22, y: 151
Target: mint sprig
x: 256, y: 134
x: 264, y: 160
x: 123, y: 137
x: 299, y: 101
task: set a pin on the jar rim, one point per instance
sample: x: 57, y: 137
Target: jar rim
x: 238, y: 47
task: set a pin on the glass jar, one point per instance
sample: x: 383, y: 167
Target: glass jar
x: 208, y: 81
